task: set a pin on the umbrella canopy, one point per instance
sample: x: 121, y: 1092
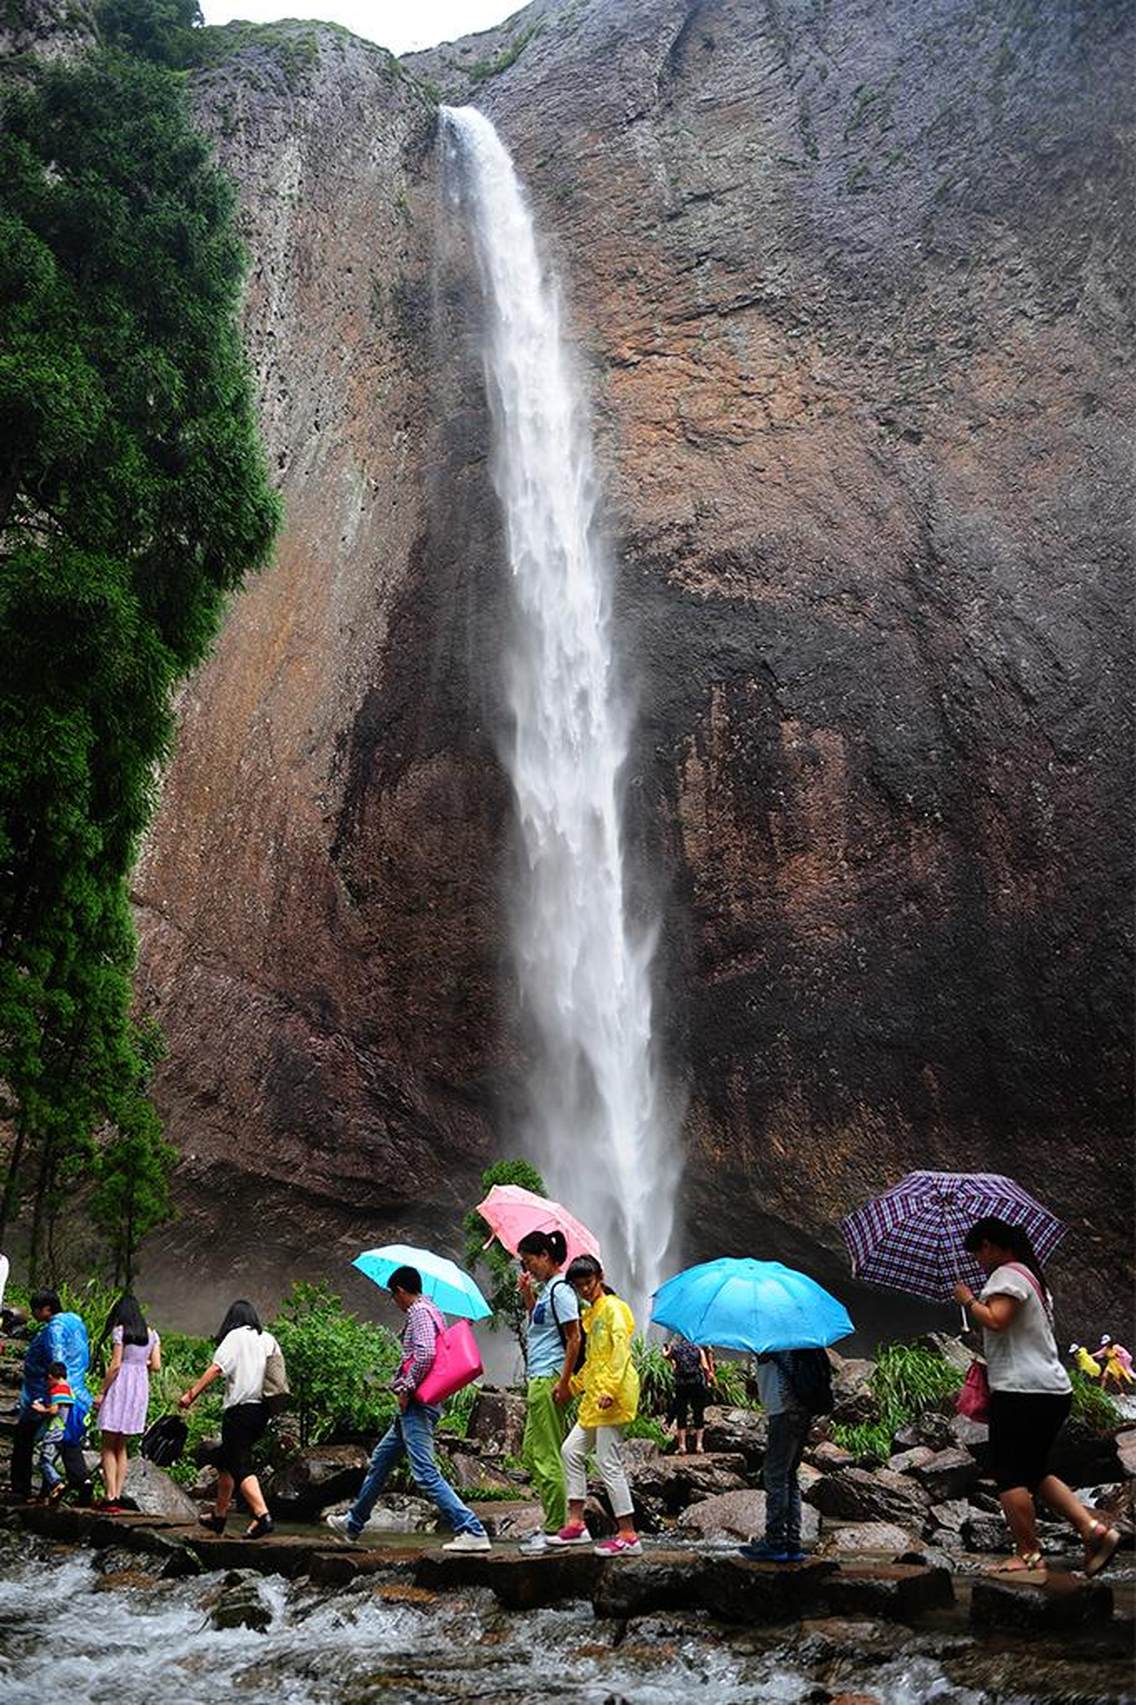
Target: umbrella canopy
x: 910, y: 1238
x: 512, y: 1212
x: 443, y: 1281
x: 741, y: 1304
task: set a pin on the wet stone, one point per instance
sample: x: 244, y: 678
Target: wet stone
x: 1061, y: 1604
x: 897, y: 1592
x: 947, y: 1474
x: 241, y: 1606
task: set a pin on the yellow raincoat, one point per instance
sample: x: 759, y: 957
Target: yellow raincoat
x: 608, y: 1370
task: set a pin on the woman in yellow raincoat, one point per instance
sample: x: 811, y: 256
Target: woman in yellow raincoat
x: 608, y: 1388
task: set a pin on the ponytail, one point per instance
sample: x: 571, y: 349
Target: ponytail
x: 1003, y: 1235
x: 551, y: 1244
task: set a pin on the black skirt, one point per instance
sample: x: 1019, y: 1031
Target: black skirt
x: 1023, y: 1428
x: 241, y: 1427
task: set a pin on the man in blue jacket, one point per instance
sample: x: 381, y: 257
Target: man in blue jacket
x: 61, y: 1338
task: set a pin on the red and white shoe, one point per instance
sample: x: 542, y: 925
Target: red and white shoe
x: 620, y: 1545
x: 574, y: 1534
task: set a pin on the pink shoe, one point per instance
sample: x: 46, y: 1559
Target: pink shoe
x: 619, y: 1545
x: 574, y: 1534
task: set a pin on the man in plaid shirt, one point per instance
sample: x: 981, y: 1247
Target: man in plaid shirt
x: 412, y: 1431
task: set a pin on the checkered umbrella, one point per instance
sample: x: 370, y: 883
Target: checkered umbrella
x: 911, y: 1237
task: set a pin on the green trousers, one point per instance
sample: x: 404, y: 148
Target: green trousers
x: 546, y: 1424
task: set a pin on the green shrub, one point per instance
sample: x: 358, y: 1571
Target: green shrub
x: 339, y: 1367
x: 908, y: 1380
x: 1092, y: 1405
x: 656, y: 1376
x: 644, y: 1427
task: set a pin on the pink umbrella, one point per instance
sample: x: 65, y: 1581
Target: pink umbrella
x: 512, y: 1212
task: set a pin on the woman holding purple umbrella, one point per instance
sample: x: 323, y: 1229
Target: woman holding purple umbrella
x: 1030, y: 1394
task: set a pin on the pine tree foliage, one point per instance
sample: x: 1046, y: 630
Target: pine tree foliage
x: 133, y: 500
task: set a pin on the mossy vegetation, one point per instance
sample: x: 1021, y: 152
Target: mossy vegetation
x: 482, y: 69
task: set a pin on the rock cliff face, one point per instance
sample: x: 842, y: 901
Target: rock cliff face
x: 850, y: 291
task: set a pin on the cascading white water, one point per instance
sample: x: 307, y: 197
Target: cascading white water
x: 598, y: 1129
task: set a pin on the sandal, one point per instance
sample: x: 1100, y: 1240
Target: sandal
x: 261, y: 1527
x: 1100, y: 1547
x: 215, y: 1523
x: 1021, y: 1564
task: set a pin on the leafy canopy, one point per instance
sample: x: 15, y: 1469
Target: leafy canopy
x: 133, y: 500
x: 503, y: 1296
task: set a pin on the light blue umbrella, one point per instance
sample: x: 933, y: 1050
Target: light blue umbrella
x: 443, y: 1281
x: 741, y: 1304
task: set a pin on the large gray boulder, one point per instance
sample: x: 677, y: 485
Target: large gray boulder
x: 315, y: 1478
x: 497, y: 1421
x: 946, y: 1474
x: 737, y: 1516
x: 155, y: 1494
x: 857, y: 1494
x: 870, y: 1539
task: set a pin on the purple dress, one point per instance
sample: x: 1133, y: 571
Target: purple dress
x: 123, y: 1409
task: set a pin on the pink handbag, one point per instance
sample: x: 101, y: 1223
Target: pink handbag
x: 457, y: 1361
x: 974, y: 1398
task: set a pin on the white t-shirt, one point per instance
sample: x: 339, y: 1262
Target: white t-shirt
x: 1024, y: 1356
x: 241, y: 1356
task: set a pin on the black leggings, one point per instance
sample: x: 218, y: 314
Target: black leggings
x: 241, y: 1427
x: 1023, y: 1428
x: 692, y: 1397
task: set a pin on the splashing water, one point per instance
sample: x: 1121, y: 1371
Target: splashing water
x: 597, y: 1127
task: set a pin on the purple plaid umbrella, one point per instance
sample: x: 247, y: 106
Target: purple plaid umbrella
x: 911, y: 1237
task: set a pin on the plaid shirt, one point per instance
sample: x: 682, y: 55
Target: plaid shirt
x: 419, y: 1336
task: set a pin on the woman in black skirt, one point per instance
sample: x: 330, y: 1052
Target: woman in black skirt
x: 1030, y: 1394
x: 243, y: 1349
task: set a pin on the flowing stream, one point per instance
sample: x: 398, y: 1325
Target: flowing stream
x: 598, y: 1127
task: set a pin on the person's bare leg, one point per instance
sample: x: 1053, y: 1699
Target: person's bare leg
x: 1021, y: 1519
x: 108, y: 1456
x: 1060, y: 1497
x: 680, y: 1441
x: 254, y: 1497
x: 627, y: 1526
x: 224, y: 1492
x: 123, y: 1465
x: 698, y: 1446
x: 575, y: 1512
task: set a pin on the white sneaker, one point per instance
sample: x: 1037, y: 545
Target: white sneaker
x: 338, y: 1524
x: 534, y: 1544
x: 468, y: 1542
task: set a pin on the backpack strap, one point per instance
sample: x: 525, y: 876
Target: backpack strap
x: 556, y: 1320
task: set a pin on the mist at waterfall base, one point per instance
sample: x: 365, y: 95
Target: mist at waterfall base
x: 599, y: 1124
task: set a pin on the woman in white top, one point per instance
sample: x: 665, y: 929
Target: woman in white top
x: 1030, y: 1393
x: 243, y: 1349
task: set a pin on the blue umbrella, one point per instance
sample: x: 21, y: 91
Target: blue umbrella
x: 443, y: 1281
x: 741, y: 1304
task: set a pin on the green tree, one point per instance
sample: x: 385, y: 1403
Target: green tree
x: 339, y: 1366
x: 158, y: 30
x: 133, y: 500
x: 503, y: 1297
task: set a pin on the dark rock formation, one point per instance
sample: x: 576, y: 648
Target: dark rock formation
x: 850, y: 289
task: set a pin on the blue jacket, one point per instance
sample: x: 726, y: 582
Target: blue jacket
x: 63, y: 1338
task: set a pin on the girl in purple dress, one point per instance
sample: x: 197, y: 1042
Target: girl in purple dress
x: 125, y: 1397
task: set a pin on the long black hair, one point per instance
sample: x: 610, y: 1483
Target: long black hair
x: 1003, y: 1235
x: 127, y: 1314
x: 586, y: 1267
x: 240, y: 1314
x: 552, y: 1244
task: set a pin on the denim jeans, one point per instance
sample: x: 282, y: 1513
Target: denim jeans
x: 413, y: 1432
x: 788, y: 1435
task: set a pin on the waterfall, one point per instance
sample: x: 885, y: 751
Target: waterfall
x: 597, y: 1124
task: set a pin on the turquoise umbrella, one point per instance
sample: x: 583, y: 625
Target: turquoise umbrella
x: 443, y: 1281
x: 741, y: 1304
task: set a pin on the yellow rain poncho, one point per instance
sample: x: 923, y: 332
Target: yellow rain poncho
x: 608, y: 1370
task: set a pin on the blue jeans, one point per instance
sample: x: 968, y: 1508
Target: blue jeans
x: 788, y: 1435
x: 412, y: 1432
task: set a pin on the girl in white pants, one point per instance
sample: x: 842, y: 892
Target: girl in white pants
x: 609, y: 1398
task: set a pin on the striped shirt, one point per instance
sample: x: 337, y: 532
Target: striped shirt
x: 419, y: 1337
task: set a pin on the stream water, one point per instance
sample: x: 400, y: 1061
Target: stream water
x: 66, y: 1631
x: 598, y: 1126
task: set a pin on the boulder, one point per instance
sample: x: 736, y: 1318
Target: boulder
x: 315, y: 1478
x: 1126, y: 1451
x: 469, y: 1469
x: 155, y: 1494
x: 737, y: 1516
x: 671, y: 1483
x: 497, y: 1421
x: 952, y: 1350
x: 852, y: 1397
x: 859, y: 1494
x: 740, y: 1432
x: 509, y: 1521
x: 931, y: 1428
x: 1083, y: 1457
x: 895, y: 1592
x: 1061, y: 1604
x: 868, y: 1538
x: 241, y: 1605
x: 950, y: 1515
x: 828, y: 1456
x: 399, y: 1512
x: 985, y: 1533
x: 905, y: 1460
x: 973, y: 1436
x: 946, y: 1474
